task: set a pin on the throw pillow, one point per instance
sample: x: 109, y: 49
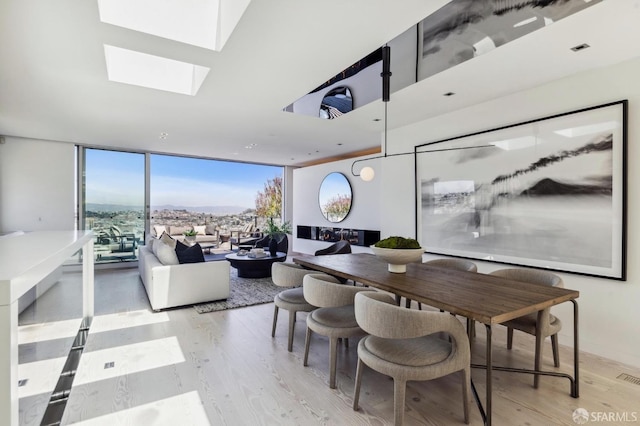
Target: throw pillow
x: 191, y: 254
x: 165, y: 253
x: 210, y: 229
x: 180, y: 246
x: 166, y: 238
x: 150, y: 242
x: 200, y: 230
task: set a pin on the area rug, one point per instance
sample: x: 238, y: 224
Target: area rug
x: 244, y: 292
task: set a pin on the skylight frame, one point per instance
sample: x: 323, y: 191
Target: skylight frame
x: 153, y: 72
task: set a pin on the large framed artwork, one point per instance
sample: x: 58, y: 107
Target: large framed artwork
x: 547, y: 193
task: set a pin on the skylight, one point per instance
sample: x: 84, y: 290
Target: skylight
x: 203, y: 23
x: 155, y: 72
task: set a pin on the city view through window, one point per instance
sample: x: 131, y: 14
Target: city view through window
x: 219, y: 196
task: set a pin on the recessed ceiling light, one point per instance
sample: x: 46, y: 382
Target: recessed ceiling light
x: 202, y: 23
x: 449, y: 94
x: 580, y: 47
x: 164, y: 135
x: 251, y: 146
x: 377, y: 119
x: 154, y: 72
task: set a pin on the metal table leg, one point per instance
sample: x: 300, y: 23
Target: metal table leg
x: 575, y: 392
x: 489, y: 387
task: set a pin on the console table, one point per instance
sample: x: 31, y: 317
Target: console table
x: 24, y: 261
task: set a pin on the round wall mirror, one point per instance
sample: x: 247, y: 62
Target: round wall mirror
x: 335, y: 197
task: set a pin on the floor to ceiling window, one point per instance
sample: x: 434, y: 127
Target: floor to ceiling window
x: 113, y: 192
x: 228, y: 198
x: 220, y: 195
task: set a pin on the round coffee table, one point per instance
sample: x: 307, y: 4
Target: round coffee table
x: 254, y: 267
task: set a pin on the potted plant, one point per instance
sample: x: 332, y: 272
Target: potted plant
x: 397, y: 252
x: 276, y: 234
x: 190, y: 236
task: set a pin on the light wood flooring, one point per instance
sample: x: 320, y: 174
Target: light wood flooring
x: 178, y: 367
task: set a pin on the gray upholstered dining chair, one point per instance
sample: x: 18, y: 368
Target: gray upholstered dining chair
x: 457, y: 264
x: 334, y: 317
x: 406, y: 344
x: 550, y: 325
x: 289, y: 275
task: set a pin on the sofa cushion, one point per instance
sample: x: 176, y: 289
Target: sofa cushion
x: 165, y: 253
x: 191, y: 254
x: 166, y: 238
x: 160, y: 229
x: 179, y: 230
x: 200, y: 229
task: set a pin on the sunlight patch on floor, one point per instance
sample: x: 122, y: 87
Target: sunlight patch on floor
x: 184, y: 409
x: 41, y: 376
x: 123, y: 320
x: 128, y: 359
x: 50, y: 330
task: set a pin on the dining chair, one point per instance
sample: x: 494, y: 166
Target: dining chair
x: 334, y: 318
x: 407, y: 344
x: 292, y: 300
x: 340, y: 247
x: 550, y: 325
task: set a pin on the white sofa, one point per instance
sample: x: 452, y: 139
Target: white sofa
x: 176, y: 285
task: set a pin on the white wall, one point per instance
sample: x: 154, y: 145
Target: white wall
x: 609, y: 317
x: 36, y: 185
x: 306, y: 207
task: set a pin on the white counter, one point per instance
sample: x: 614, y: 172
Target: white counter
x: 24, y: 261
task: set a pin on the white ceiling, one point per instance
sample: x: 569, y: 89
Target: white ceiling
x: 53, y: 83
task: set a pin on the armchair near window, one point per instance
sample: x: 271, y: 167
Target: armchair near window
x: 128, y: 242
x: 118, y: 242
x: 341, y: 247
x: 281, y: 239
x: 245, y: 236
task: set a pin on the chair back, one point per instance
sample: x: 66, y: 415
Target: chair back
x: 457, y: 264
x: 288, y: 274
x: 534, y: 276
x: 341, y: 247
x: 325, y: 291
x: 378, y: 315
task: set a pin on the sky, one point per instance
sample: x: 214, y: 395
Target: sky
x: 118, y: 178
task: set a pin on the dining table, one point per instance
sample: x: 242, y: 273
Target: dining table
x: 485, y: 298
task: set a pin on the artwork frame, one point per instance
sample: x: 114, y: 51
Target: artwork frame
x: 545, y: 193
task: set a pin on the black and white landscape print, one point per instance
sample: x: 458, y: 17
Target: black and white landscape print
x: 546, y: 194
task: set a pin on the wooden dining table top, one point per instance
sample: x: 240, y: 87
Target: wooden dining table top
x: 482, y: 297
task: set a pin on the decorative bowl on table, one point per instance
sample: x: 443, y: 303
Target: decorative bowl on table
x: 398, y: 252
